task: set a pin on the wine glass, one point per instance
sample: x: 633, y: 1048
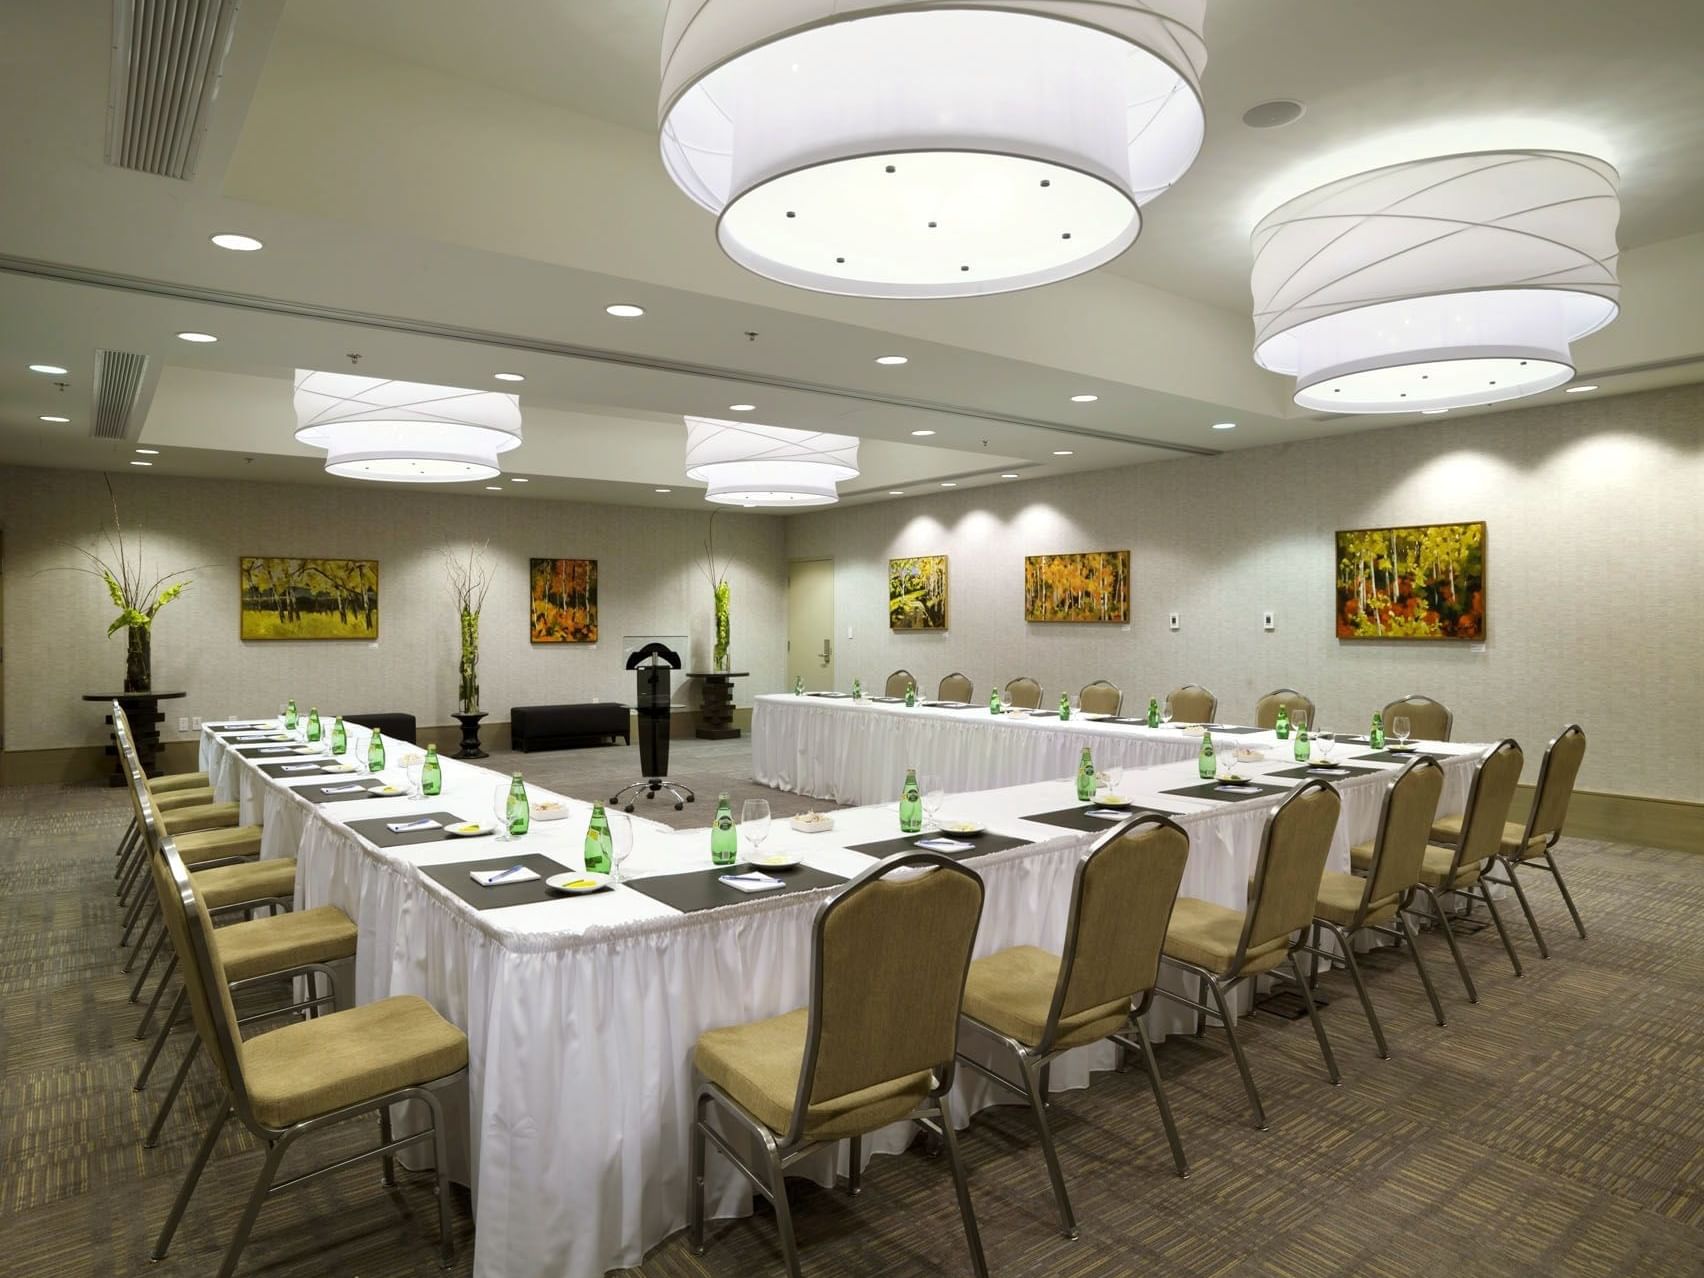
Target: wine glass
x: 754, y: 823
x: 1399, y: 728
x: 1324, y: 743
x: 620, y: 840
x: 1167, y: 714
x: 1298, y: 721
x: 414, y: 766
x: 283, y: 712
x: 500, y: 810
x: 934, y: 794
x: 1111, y: 779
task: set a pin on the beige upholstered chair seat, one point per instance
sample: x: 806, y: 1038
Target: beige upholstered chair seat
x: 314, y: 1067
x: 1447, y: 829
x: 201, y: 846
x: 1434, y: 868
x: 267, y: 945
x: 203, y: 816
x: 249, y: 881
x: 177, y: 800
x: 758, y: 1065
x: 1012, y: 992
x: 177, y: 781
x: 1206, y: 935
x: 1101, y: 697
x: 1340, y: 899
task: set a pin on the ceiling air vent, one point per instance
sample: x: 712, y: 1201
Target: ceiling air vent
x: 167, y: 57
x: 118, y: 386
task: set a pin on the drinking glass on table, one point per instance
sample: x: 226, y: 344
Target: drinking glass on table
x: 934, y: 794
x: 1399, y: 729
x: 1324, y: 743
x: 414, y: 766
x: 1167, y: 714
x: 620, y: 839
x: 1112, y: 778
x: 1298, y: 721
x: 754, y: 823
x: 500, y: 810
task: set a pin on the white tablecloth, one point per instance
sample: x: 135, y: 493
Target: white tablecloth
x: 857, y: 751
x: 582, y: 1013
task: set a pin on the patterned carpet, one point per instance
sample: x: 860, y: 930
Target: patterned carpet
x: 1554, y: 1129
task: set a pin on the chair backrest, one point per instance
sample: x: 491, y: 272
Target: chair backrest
x: 1405, y: 827
x: 1495, y: 777
x: 1121, y: 905
x: 1293, y: 851
x: 1266, y: 709
x: 1556, y: 775
x: 898, y: 682
x: 1023, y: 692
x: 956, y: 687
x: 1428, y: 720
x: 1100, y: 697
x: 1192, y: 704
x: 889, y: 955
x: 395, y: 725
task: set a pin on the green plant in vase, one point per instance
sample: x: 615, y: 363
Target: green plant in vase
x: 718, y: 576
x: 470, y: 581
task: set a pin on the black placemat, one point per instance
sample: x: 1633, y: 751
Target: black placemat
x: 832, y: 696
x: 1231, y: 727
x: 1402, y: 756
x: 1312, y: 772
x: 949, y: 705
x: 279, y: 771
x: 225, y: 734
x: 704, y: 890
x: 1076, y: 818
x: 1043, y: 714
x: 1130, y: 722
x: 373, y: 829
x: 317, y: 793
x: 1211, y: 790
x: 983, y: 844
x: 263, y: 750
x: 455, y: 878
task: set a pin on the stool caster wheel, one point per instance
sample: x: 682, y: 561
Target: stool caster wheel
x: 692, y: 798
x: 679, y: 808
x: 628, y: 808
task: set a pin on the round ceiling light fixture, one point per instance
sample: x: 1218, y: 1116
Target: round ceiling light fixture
x: 854, y: 148
x: 405, y: 432
x: 198, y: 338
x: 1439, y: 283
x: 624, y: 310
x: 749, y: 464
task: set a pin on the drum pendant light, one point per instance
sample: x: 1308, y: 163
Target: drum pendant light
x: 750, y: 464
x: 1439, y: 283
x: 940, y: 148
x: 405, y: 432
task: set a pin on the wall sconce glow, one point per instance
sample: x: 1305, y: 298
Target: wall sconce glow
x: 51, y: 418
x: 749, y: 464
x: 854, y: 148
x: 1084, y: 399
x: 405, y: 432
x: 892, y: 361
x: 510, y: 377
x: 1437, y: 283
x: 53, y: 370
x: 1577, y: 390
x: 238, y: 243
x: 197, y: 337
x: 624, y: 310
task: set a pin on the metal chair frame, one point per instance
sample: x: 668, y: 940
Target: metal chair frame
x: 1511, y: 864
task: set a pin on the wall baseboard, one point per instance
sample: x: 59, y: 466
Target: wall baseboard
x: 1627, y: 818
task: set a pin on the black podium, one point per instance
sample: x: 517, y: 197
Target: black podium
x: 652, y: 664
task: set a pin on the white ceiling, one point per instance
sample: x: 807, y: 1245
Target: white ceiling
x: 452, y: 190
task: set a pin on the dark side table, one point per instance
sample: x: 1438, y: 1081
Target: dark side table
x: 143, y: 711
x: 716, y: 710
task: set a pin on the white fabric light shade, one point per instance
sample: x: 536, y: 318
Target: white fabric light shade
x: 1439, y: 283
x: 939, y: 149
x: 405, y: 432
x: 750, y: 464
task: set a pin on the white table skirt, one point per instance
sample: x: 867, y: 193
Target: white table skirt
x: 857, y: 751
x: 582, y: 1014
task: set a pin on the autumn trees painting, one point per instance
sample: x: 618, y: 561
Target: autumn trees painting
x: 564, y: 600
x: 1092, y: 585
x: 917, y: 593
x: 308, y: 598
x: 1424, y: 582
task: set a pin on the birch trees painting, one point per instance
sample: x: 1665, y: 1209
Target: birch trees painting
x: 308, y: 598
x: 1092, y: 585
x: 1423, y: 582
x: 917, y: 593
x: 564, y: 600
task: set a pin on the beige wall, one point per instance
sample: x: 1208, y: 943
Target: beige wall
x: 1595, y: 571
x: 648, y: 577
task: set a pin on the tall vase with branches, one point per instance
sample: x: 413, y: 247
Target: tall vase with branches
x: 470, y: 580
x: 718, y: 575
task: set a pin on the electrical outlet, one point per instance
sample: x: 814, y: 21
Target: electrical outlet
x: 1174, y: 622
x: 196, y: 723
x: 1266, y: 620
x: 183, y: 723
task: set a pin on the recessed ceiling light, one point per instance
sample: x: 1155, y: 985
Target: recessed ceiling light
x: 896, y: 492
x: 625, y: 310
x: 46, y: 368
x: 492, y: 488
x: 947, y: 483
x: 196, y: 337
x: 1224, y: 425
x: 517, y: 479
x: 510, y: 377
x: 1008, y: 476
x: 922, y: 432
x: 238, y: 243
x: 1433, y: 412
x: 137, y: 463
x: 742, y: 408
x: 1578, y: 390
x: 50, y: 418
x: 1274, y: 114
x: 1084, y: 399
x: 892, y: 359
x: 149, y: 452
x: 1062, y: 452
x: 662, y: 490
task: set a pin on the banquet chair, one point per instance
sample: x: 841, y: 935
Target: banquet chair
x: 955, y: 687
x: 1100, y: 697
x: 171, y: 783
x: 1348, y: 905
x: 898, y: 682
x: 1459, y: 870
x: 1023, y: 693
x: 1266, y: 709
x: 303, y: 1077
x: 875, y: 1045
x: 1222, y: 947
x: 1428, y: 720
x: 1036, y: 1005
x: 1192, y: 704
x: 1531, y: 844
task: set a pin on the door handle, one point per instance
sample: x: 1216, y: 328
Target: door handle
x: 827, y: 652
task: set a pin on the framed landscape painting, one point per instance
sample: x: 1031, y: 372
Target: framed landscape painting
x: 308, y: 598
x: 1092, y: 585
x: 917, y: 593
x: 564, y: 603
x: 1421, y: 582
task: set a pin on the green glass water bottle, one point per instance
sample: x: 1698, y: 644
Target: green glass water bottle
x: 290, y: 714
x: 1282, y: 727
x: 1153, y: 712
x: 339, y: 737
x: 857, y: 690
x: 1064, y: 706
x: 910, y: 694
x: 994, y: 702
x: 724, y: 841
x: 376, y: 752
x: 518, y: 812
x: 431, y: 773
x: 313, y: 723
x: 1085, y: 777
x: 910, y: 805
x: 600, y: 847
x: 1304, y: 748
x: 1376, y: 737
x: 1206, y: 763
x: 798, y: 685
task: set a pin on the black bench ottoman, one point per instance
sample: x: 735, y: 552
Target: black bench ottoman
x: 557, y: 727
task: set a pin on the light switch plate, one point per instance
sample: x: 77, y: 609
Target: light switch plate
x: 1266, y: 620
x: 183, y: 723
x: 195, y: 723
x: 1174, y: 624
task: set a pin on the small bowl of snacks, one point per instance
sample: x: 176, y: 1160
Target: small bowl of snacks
x: 813, y: 822
x: 549, y: 809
